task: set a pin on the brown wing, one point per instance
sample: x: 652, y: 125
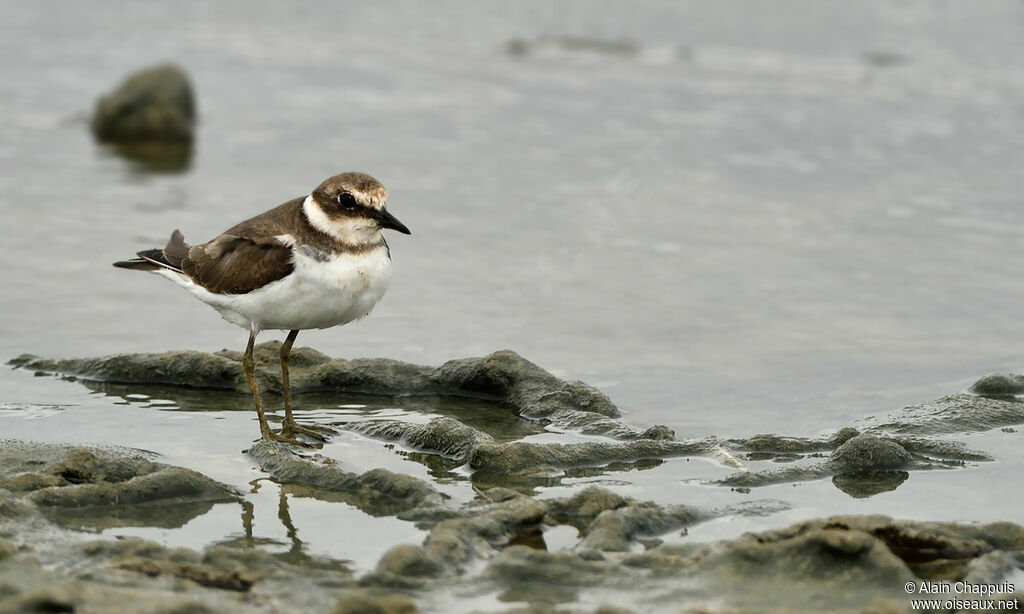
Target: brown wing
x: 237, y: 265
x: 248, y: 255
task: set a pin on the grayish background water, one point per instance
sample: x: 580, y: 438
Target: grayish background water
x: 732, y: 218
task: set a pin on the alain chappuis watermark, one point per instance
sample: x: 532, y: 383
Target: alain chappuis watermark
x: 963, y: 591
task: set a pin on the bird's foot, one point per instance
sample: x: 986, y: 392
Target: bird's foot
x: 279, y: 437
x: 314, y: 432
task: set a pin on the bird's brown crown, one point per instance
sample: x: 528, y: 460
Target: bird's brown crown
x: 351, y: 191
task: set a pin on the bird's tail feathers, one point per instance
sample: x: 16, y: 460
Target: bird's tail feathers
x: 170, y: 257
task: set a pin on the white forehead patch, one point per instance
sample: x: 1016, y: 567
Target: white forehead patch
x: 375, y: 199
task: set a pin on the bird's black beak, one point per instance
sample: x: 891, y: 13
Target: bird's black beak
x: 389, y: 221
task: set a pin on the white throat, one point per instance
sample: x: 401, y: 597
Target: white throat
x: 352, y: 231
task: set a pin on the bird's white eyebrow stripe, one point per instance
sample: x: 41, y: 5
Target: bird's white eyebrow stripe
x: 317, y: 218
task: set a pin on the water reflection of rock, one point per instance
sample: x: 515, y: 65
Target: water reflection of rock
x: 155, y: 157
x: 296, y: 553
x: 864, y: 484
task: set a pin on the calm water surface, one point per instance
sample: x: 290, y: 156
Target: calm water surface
x: 732, y: 219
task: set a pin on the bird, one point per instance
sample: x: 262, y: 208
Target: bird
x: 314, y: 262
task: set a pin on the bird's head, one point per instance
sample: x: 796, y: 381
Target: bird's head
x: 352, y: 208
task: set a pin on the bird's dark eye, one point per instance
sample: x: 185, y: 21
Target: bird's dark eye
x: 347, y: 201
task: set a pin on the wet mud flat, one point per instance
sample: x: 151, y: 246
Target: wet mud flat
x: 492, y: 550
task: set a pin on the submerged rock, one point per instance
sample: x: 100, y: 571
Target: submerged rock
x: 152, y: 105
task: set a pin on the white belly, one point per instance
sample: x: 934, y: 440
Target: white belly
x: 316, y: 294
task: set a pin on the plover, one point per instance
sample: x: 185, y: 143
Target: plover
x: 314, y: 262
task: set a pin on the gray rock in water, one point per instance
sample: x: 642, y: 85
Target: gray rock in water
x: 503, y: 376
x: 999, y: 385
x: 378, y: 491
x: 870, y: 453
x: 956, y: 413
x: 152, y: 105
x: 445, y: 436
x: 99, y: 488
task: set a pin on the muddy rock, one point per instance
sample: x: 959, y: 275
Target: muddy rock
x: 955, y: 413
x: 26, y: 587
x: 218, y: 567
x: 504, y: 376
x: 378, y: 491
x: 933, y: 550
x: 804, y: 568
x: 169, y: 485
x: 751, y: 479
x: 609, y: 522
x: 999, y: 385
x: 517, y: 384
x: 766, y: 444
x: 95, y: 487
x: 530, y: 575
x: 534, y: 390
x: 523, y: 457
x: 949, y: 453
x: 409, y: 561
x: 616, y: 530
x: 455, y: 542
x: 154, y: 105
x: 862, y: 464
x: 585, y: 505
x: 870, y: 453
x: 444, y: 436
x: 491, y: 545
x: 17, y: 513
x: 180, y: 368
x: 362, y: 602
x: 845, y: 563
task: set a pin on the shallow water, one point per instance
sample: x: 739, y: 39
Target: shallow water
x: 731, y: 219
